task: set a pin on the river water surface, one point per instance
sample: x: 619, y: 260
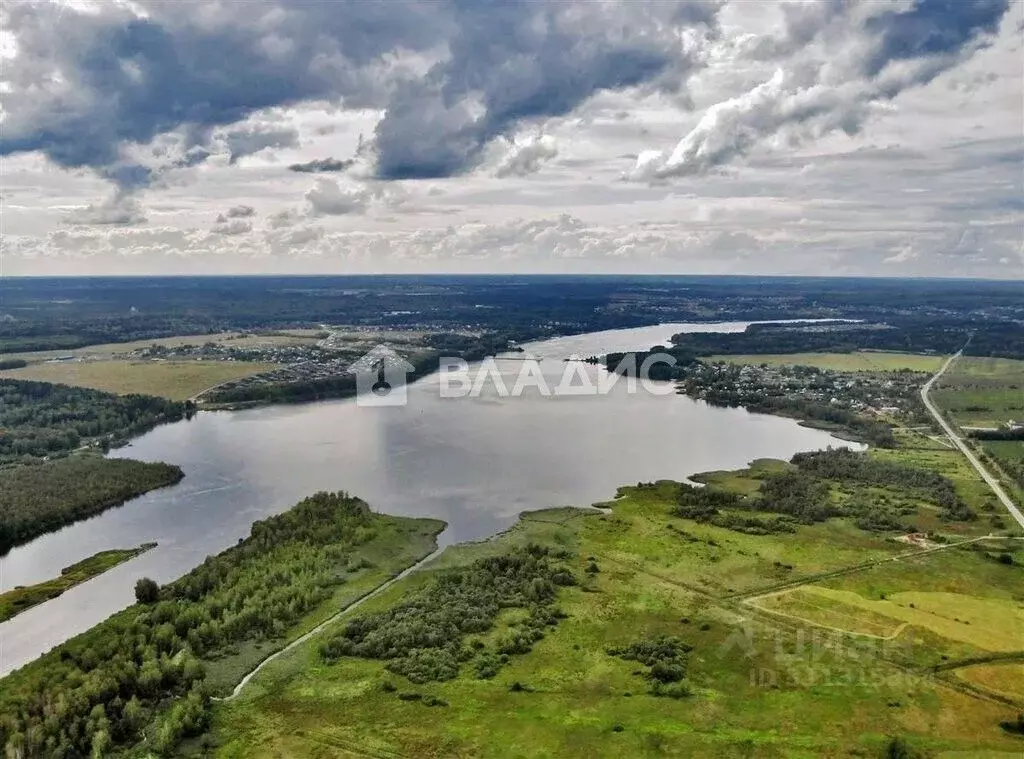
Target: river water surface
x: 474, y: 462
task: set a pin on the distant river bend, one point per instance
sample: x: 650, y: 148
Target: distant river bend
x: 474, y: 462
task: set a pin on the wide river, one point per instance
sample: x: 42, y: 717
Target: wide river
x: 475, y: 462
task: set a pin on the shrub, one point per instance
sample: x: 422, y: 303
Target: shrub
x: 147, y: 591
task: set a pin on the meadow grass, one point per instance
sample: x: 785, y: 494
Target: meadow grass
x: 176, y: 380
x: 1004, y: 678
x: 857, y: 361
x: 755, y: 692
x: 22, y: 598
x: 983, y: 392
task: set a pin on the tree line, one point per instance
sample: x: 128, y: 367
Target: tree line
x: 38, y: 497
x: 140, y: 674
x: 43, y: 419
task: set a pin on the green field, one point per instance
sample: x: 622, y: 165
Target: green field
x: 983, y: 392
x: 859, y: 361
x: 227, y: 339
x: 756, y: 688
x: 176, y: 380
x: 20, y: 599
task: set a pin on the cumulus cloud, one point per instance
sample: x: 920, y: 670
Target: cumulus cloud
x: 119, y: 209
x: 450, y: 76
x: 229, y: 226
x: 240, y: 212
x: 526, y: 156
x: 328, y: 197
x: 863, y: 55
x: 252, y: 138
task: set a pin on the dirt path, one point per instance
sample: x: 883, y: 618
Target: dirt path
x: 330, y: 620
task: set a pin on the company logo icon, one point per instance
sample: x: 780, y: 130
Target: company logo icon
x: 381, y: 377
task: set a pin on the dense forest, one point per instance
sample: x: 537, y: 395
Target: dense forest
x: 36, y: 498
x: 39, y: 419
x: 804, y: 495
x: 425, y: 636
x: 140, y: 674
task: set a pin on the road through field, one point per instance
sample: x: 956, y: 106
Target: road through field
x: 959, y: 443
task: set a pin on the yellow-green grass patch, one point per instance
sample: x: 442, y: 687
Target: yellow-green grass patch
x: 986, y: 623
x: 754, y: 692
x: 176, y: 380
x: 22, y: 598
x: 1003, y: 678
x: 242, y: 340
x: 805, y: 604
x: 857, y: 361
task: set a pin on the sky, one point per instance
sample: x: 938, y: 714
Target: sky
x: 837, y: 137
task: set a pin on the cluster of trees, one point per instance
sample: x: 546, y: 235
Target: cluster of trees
x: 803, y: 495
x: 424, y: 636
x: 12, y: 363
x: 1001, y: 433
x: 701, y: 504
x: 109, y: 686
x: 41, y: 419
x: 845, y: 465
x: 660, y: 370
x: 797, y: 494
x: 665, y: 658
x: 38, y: 497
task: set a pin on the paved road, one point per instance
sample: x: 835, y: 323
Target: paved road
x: 959, y: 443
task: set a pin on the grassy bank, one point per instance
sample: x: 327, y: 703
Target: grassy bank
x: 23, y: 598
x: 141, y: 681
x: 754, y: 682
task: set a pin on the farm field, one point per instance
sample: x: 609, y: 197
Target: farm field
x: 983, y: 392
x: 176, y: 380
x: 859, y: 361
x: 244, y: 340
x: 753, y: 687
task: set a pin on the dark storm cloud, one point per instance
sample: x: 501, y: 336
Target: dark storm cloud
x: 517, y: 60
x: 931, y: 28
x: 85, y: 83
x: 112, y: 77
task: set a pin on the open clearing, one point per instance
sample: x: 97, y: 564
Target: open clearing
x: 983, y: 392
x: 241, y: 340
x: 986, y: 623
x: 756, y: 691
x: 177, y: 380
x: 860, y: 361
x: 1004, y: 678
